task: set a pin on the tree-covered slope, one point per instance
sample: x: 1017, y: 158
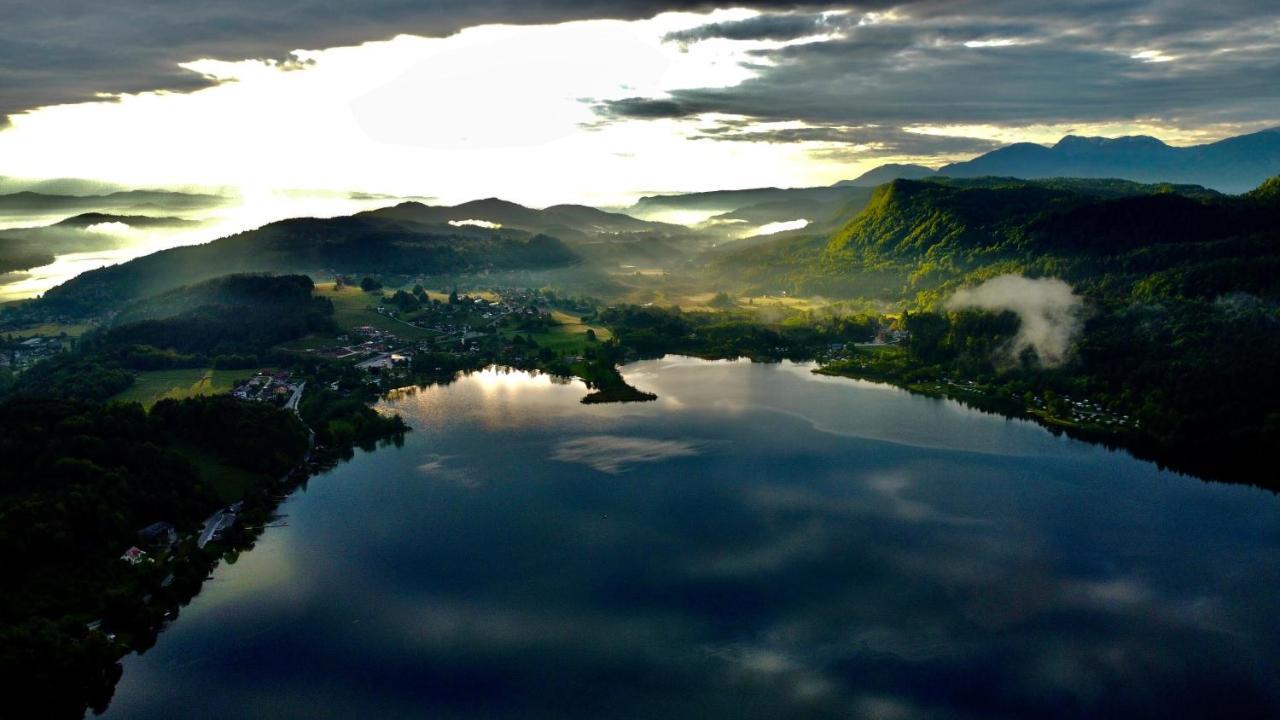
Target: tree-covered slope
x: 232, y: 321
x: 358, y: 244
x: 967, y: 219
x: 933, y: 234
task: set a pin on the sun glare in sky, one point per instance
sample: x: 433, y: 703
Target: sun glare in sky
x: 494, y: 110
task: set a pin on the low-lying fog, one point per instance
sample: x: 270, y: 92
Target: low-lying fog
x: 133, y: 230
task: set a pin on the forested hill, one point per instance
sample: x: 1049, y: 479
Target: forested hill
x: 233, y: 321
x: 917, y: 235
x: 600, y: 238
x: 556, y: 220
x: 971, y: 217
x: 289, y: 292
x: 1179, y: 319
x: 359, y: 244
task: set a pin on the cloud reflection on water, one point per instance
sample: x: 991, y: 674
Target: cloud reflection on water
x: 750, y: 567
x: 613, y: 453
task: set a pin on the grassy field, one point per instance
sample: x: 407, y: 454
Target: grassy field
x: 444, y: 297
x: 227, y: 481
x: 313, y: 342
x: 882, y: 349
x: 51, y: 329
x: 353, y: 307
x: 569, y: 336
x: 153, y: 386
x: 573, y: 325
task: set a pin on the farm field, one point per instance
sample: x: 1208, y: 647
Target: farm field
x: 152, y: 386
x: 569, y: 336
x: 353, y: 307
x: 51, y: 330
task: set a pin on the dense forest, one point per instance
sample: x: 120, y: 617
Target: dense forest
x: 1180, y: 303
x: 228, y: 322
x: 79, y: 481
x: 918, y: 240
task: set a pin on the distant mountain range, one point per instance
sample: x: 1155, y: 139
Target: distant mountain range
x: 1234, y: 165
x: 358, y: 244
x: 127, y: 201
x: 607, y: 238
x: 741, y: 211
x: 556, y: 220
x: 29, y: 247
x: 409, y: 238
x: 886, y: 173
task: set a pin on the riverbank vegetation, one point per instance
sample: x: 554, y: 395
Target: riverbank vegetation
x: 79, y: 482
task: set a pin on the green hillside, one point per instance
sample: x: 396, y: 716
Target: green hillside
x: 360, y: 244
x: 917, y: 239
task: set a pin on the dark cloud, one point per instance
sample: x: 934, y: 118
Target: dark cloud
x: 1069, y: 62
x: 1008, y: 63
x: 648, y: 108
x: 762, y: 27
x: 74, y: 50
x: 858, y: 142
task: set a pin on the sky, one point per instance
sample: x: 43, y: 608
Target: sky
x: 598, y: 102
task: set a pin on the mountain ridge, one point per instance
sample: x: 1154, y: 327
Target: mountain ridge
x: 1233, y: 165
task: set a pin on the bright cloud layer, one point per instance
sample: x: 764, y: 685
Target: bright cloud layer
x: 493, y: 110
x: 581, y: 108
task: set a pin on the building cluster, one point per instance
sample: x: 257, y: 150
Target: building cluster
x: 1087, y: 412
x: 469, y: 315
x: 19, y: 355
x: 157, y: 536
x: 267, y: 386
x: 470, y: 325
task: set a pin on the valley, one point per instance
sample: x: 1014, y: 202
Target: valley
x: 1108, y: 311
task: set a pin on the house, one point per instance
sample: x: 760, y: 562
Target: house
x: 134, y: 555
x: 158, y: 533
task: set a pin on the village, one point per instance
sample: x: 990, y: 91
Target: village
x: 472, y: 326
x: 19, y: 354
x: 274, y: 386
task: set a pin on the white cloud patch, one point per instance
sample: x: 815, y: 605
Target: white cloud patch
x: 440, y: 467
x: 1049, y: 311
x: 612, y: 453
x: 109, y: 228
x: 774, y: 228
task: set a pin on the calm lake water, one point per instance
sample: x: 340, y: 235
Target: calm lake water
x: 760, y: 542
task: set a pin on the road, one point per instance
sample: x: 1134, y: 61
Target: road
x: 211, y: 526
x: 365, y: 365
x: 295, y: 397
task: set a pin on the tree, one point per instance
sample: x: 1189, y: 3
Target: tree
x: 404, y: 301
x: 591, y: 335
x: 722, y: 301
x: 370, y: 285
x: 927, y: 333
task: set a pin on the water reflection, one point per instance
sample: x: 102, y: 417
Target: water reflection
x: 776, y: 545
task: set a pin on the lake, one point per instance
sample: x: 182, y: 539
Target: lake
x: 760, y: 542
